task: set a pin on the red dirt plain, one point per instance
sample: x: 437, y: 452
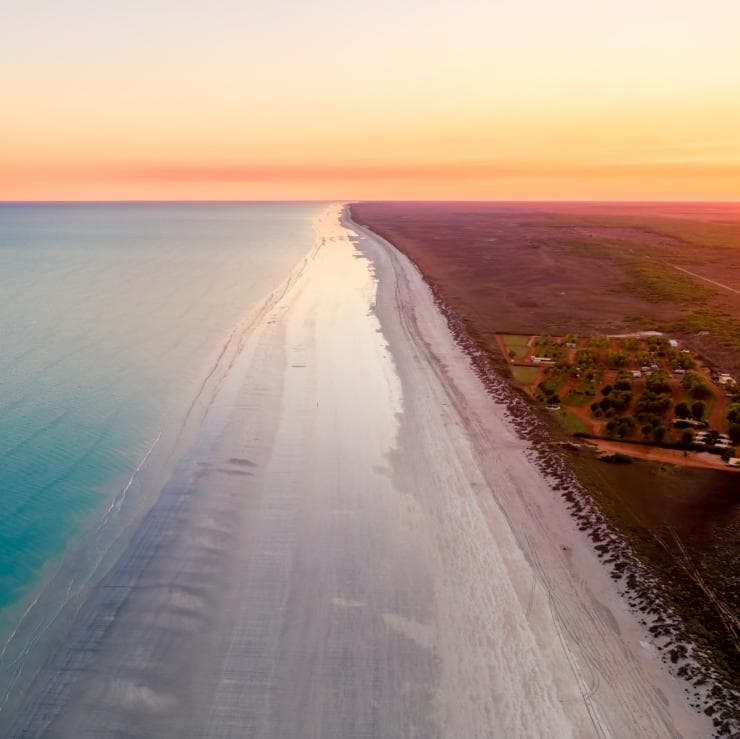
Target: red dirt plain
x: 580, y: 268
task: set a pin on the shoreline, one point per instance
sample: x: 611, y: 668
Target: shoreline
x: 43, y: 619
x: 638, y: 590
x: 517, y: 416
x: 358, y: 542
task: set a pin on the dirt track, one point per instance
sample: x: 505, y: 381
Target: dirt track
x: 656, y: 454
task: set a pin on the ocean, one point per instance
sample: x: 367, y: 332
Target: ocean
x: 113, y: 316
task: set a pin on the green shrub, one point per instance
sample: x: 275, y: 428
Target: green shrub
x: 629, y: 344
x: 616, y: 458
x: 679, y: 360
x: 621, y: 427
x: 621, y: 400
x: 598, y: 342
x: 682, y: 410
x: 623, y: 382
x: 696, y: 385
x: 659, y: 433
x: 657, y: 344
x: 651, y: 403
x: 658, y: 382
x: 617, y: 359
x: 584, y: 358
x: 644, y: 358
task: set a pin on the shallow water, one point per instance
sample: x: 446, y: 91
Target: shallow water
x: 111, y: 318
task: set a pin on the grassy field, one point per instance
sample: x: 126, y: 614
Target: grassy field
x: 572, y: 424
x: 525, y: 375
x: 516, y: 345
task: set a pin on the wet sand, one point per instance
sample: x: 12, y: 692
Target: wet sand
x: 357, y: 545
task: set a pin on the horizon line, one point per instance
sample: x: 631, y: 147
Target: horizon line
x: 236, y: 201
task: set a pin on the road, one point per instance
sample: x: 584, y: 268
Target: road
x: 706, y: 279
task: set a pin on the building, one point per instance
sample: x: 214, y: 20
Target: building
x: 673, y: 343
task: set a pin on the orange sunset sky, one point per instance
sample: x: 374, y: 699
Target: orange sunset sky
x: 170, y: 99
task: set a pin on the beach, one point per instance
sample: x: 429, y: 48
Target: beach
x: 358, y: 543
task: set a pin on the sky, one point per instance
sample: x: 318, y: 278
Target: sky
x: 371, y: 99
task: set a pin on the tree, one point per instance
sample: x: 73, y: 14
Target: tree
x: 734, y: 432
x: 697, y: 410
x: 621, y: 400
x: 617, y: 359
x: 659, y: 433
x: 630, y: 344
x: 682, y: 410
x: 687, y: 437
x: 658, y: 382
x: 695, y: 384
x: 584, y: 358
x: 650, y: 403
x: 606, y: 389
x: 625, y: 426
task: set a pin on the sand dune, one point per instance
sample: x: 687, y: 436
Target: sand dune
x: 356, y: 546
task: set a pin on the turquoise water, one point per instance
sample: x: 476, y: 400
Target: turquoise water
x: 111, y: 316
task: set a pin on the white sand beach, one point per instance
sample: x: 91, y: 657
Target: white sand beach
x: 356, y: 546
